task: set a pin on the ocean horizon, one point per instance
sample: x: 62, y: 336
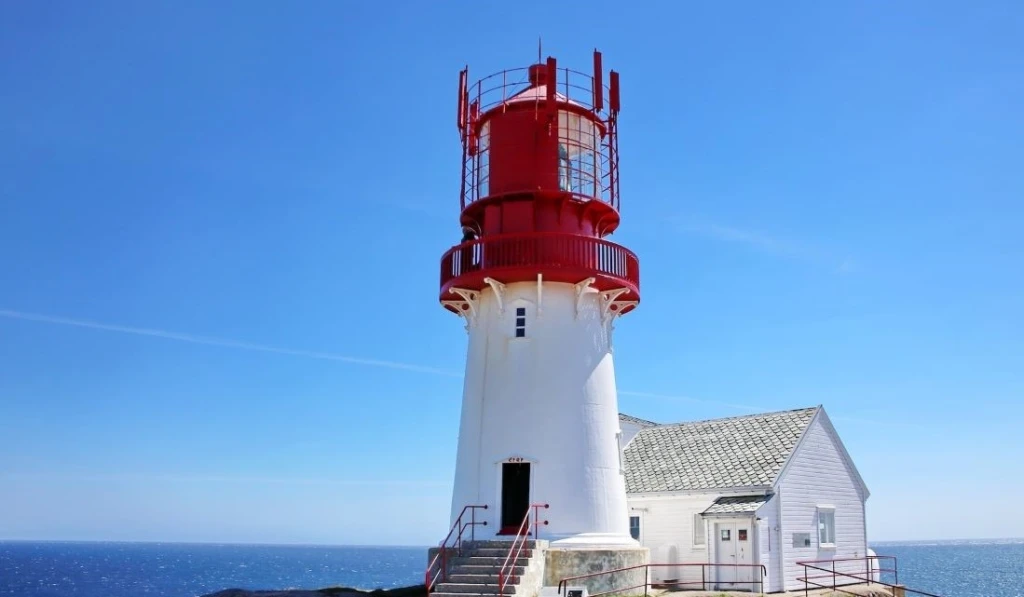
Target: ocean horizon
x: 30, y: 568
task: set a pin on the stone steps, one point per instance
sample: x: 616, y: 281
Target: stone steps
x: 484, y: 570
x: 483, y: 579
x: 476, y: 588
x: 475, y: 572
x: 500, y: 552
x: 488, y: 561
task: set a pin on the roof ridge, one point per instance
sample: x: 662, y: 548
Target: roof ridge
x: 648, y: 422
x: 737, y: 417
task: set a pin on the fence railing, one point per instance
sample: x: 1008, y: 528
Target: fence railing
x: 507, y: 572
x: 437, y: 569
x: 702, y: 584
x: 549, y: 250
x: 838, y: 573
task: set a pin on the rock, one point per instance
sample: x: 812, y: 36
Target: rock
x: 413, y: 591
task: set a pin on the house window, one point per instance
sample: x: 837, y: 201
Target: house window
x: 520, y: 322
x: 699, y: 534
x: 634, y: 527
x: 826, y: 526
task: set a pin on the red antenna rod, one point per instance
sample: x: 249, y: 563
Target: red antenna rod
x: 613, y: 92
x: 598, y: 83
x: 463, y: 77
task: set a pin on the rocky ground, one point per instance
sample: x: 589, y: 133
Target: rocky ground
x: 414, y: 591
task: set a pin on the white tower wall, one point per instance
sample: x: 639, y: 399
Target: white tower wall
x: 549, y: 399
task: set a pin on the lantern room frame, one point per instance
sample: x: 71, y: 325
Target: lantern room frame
x: 592, y: 175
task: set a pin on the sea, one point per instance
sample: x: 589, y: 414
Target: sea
x: 64, y: 569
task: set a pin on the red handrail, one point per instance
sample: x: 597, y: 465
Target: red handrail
x: 517, y: 545
x: 704, y: 566
x: 831, y: 572
x: 430, y: 578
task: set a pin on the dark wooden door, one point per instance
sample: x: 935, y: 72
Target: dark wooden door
x: 515, y: 495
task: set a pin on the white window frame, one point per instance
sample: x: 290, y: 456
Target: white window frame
x: 826, y: 532
x: 700, y: 539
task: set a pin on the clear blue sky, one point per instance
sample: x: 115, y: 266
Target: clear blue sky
x: 220, y: 226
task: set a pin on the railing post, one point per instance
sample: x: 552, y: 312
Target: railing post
x: 805, y: 580
x: 895, y: 571
x: 867, y: 564
x: 833, y: 575
x: 647, y: 578
x: 703, y: 582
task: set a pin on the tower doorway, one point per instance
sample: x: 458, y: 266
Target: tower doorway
x: 515, y: 496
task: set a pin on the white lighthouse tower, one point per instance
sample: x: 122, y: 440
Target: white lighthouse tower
x: 539, y: 286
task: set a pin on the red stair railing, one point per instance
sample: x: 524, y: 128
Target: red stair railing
x: 839, y: 578
x: 431, y: 577
x: 507, y: 572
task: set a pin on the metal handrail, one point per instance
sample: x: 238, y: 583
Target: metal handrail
x: 835, y: 575
x: 520, y: 540
x: 430, y: 580
x: 541, y: 249
x: 704, y: 566
x: 488, y: 92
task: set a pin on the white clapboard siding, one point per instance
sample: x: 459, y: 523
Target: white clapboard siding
x: 769, y: 547
x: 819, y: 474
x: 666, y: 522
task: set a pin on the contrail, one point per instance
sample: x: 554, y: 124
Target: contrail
x: 209, y: 341
x: 226, y: 343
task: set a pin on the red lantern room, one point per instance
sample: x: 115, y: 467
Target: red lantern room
x: 540, y: 184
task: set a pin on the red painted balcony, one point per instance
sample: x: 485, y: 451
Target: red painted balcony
x: 559, y: 257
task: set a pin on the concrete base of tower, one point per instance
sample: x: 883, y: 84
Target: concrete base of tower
x: 566, y: 562
x: 592, y: 540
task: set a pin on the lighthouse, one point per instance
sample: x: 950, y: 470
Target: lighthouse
x: 540, y: 287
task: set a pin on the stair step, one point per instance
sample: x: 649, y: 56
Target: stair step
x: 488, y: 561
x: 483, y: 579
x: 484, y: 570
x: 499, y: 543
x: 499, y: 552
x: 482, y: 589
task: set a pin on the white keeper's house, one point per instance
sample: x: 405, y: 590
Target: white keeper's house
x: 770, y: 489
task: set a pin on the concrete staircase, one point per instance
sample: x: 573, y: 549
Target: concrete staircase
x: 475, y: 573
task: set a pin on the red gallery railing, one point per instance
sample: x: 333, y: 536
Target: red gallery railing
x: 553, y: 251
x: 824, y: 574
x: 440, y: 561
x: 701, y: 585
x: 507, y: 572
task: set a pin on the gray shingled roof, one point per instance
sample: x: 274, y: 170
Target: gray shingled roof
x: 744, y: 504
x: 745, y: 451
x: 636, y: 420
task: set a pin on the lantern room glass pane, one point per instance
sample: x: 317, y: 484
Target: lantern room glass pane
x: 578, y: 154
x: 482, y: 175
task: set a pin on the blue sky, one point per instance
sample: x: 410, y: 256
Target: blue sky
x: 221, y: 227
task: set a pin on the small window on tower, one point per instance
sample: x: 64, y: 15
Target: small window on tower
x: 520, y: 322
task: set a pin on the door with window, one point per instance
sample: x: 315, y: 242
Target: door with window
x: 515, y: 496
x: 734, y: 554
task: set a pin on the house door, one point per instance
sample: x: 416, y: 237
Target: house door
x: 515, y: 496
x: 734, y: 554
